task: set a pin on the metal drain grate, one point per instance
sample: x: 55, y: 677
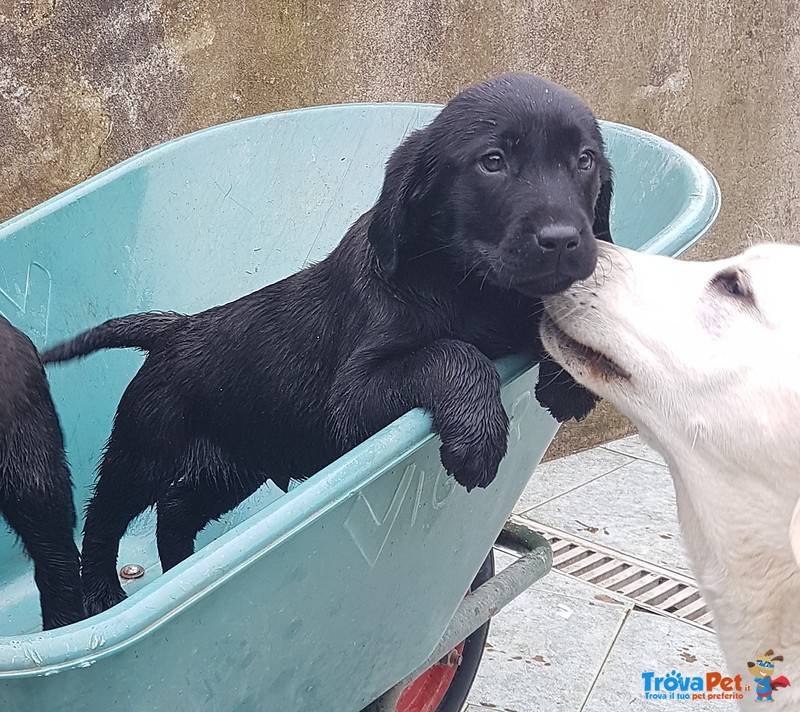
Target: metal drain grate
x: 644, y: 584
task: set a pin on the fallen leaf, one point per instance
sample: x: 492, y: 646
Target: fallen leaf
x: 607, y: 599
x: 590, y: 529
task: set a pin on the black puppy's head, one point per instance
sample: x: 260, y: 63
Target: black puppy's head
x: 509, y: 184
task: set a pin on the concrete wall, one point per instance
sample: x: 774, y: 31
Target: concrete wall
x: 86, y: 84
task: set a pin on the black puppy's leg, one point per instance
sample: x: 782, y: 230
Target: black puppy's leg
x: 185, y: 509
x: 451, y: 379
x: 209, y: 484
x: 182, y: 512
x: 44, y: 520
x: 120, y: 495
x: 560, y: 394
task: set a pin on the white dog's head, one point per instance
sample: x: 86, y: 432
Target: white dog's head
x: 701, y: 354
x: 704, y: 357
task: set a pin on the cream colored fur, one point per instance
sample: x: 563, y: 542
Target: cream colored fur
x: 712, y: 356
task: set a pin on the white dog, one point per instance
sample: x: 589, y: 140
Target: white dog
x: 704, y: 357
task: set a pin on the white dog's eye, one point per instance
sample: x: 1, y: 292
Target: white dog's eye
x: 733, y: 283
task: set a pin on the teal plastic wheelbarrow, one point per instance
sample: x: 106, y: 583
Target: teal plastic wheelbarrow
x: 325, y: 598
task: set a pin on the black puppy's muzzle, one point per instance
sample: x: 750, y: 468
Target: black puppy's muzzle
x: 547, y: 259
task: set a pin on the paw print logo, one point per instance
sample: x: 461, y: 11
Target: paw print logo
x: 672, y: 681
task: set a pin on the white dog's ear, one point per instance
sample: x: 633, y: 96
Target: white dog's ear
x: 794, y: 532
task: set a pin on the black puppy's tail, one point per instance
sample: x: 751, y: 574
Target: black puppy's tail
x: 135, y: 331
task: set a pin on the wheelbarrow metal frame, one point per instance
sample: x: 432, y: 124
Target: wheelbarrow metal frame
x: 484, y: 602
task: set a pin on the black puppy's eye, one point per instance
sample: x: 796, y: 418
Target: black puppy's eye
x: 733, y: 283
x: 585, y: 161
x: 493, y: 162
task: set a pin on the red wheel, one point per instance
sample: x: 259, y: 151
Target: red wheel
x: 444, y: 687
x: 426, y: 693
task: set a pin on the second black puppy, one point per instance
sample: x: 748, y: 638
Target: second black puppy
x: 35, y: 483
x: 494, y: 204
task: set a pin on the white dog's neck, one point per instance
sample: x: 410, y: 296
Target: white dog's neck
x: 717, y: 510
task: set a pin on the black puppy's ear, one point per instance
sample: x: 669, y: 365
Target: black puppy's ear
x: 396, y: 217
x: 602, y: 210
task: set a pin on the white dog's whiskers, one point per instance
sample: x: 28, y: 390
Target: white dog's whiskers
x: 566, y: 314
x: 603, y: 261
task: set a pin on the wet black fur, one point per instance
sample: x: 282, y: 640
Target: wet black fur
x: 35, y: 483
x: 440, y: 277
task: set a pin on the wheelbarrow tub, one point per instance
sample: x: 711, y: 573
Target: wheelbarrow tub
x: 324, y: 597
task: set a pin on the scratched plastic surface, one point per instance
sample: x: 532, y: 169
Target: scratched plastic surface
x: 323, y: 598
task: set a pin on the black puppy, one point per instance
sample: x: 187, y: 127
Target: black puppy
x: 485, y: 210
x: 35, y: 484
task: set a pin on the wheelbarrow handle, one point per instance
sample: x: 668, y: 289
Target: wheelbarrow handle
x: 484, y: 602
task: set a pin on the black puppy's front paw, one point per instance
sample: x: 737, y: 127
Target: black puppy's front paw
x: 474, y: 444
x: 557, y: 391
x: 578, y: 404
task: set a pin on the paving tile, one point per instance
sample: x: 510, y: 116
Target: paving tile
x: 651, y: 643
x: 546, y: 648
x: 634, y: 446
x: 556, y: 477
x: 631, y: 510
x: 621, y: 496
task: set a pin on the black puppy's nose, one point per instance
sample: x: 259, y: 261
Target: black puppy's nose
x: 558, y: 238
